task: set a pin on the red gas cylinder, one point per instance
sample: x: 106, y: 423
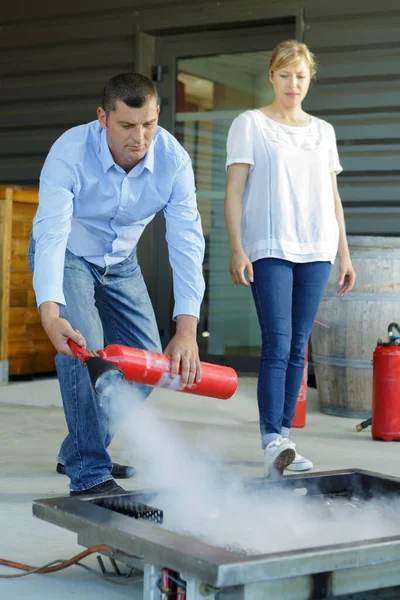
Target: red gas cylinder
x: 154, y: 369
x: 167, y: 584
x: 299, y: 419
x: 386, y: 389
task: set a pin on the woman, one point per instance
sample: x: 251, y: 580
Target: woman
x: 285, y: 223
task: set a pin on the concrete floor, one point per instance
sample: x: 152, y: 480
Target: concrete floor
x: 32, y: 427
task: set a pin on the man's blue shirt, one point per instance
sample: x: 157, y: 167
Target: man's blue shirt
x: 91, y: 206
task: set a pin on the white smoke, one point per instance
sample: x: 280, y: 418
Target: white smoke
x: 199, y: 500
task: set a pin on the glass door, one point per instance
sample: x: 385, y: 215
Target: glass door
x: 209, y: 91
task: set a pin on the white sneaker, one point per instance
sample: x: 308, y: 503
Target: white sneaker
x: 300, y: 463
x: 278, y: 455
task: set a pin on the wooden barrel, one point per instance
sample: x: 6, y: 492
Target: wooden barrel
x: 342, y: 353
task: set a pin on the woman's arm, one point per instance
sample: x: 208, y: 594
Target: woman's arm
x: 237, y: 177
x: 347, y: 273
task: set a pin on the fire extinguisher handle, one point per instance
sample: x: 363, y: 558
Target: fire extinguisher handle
x: 391, y: 327
x: 79, y: 352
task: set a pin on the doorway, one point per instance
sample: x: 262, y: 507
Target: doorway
x: 205, y: 80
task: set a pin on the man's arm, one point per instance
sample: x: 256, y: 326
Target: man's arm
x: 186, y: 252
x: 51, y: 228
x: 59, y: 330
x: 184, y: 350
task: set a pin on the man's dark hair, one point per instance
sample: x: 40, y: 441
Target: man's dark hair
x: 134, y: 89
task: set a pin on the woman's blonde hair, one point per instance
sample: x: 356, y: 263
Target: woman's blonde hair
x: 291, y: 52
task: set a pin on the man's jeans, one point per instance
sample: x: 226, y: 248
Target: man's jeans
x: 287, y: 296
x: 108, y: 306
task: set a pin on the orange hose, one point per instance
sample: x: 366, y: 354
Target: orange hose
x: 61, y: 566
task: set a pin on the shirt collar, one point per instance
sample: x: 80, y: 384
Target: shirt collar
x: 147, y: 162
x: 107, y: 159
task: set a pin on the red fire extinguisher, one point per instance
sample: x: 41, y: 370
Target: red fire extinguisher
x: 386, y: 387
x: 167, y: 585
x: 299, y: 419
x: 116, y: 362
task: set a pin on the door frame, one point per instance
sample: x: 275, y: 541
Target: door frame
x: 156, y: 57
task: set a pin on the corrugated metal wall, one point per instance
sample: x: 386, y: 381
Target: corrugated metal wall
x: 52, y: 72
x: 55, y: 59
x: 358, y: 91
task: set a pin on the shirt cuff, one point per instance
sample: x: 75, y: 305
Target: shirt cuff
x: 240, y: 160
x: 185, y: 306
x: 336, y: 168
x: 51, y: 293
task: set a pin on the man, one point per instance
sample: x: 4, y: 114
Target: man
x: 101, y: 184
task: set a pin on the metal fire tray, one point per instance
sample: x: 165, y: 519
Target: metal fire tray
x: 129, y: 524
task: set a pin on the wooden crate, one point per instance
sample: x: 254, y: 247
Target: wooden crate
x: 23, y: 342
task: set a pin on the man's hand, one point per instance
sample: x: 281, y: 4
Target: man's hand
x: 59, y: 330
x: 184, y: 351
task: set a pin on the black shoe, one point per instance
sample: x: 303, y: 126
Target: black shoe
x: 118, y: 471
x: 107, y: 488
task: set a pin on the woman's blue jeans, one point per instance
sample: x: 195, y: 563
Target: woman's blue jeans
x: 107, y: 305
x: 287, y: 296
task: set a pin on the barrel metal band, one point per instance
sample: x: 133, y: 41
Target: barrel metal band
x: 380, y: 253
x: 369, y: 296
x: 341, y: 362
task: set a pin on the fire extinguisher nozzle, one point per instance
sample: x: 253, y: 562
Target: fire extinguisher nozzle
x: 364, y: 425
x: 104, y: 376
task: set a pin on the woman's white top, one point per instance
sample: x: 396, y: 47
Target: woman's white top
x: 288, y: 201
